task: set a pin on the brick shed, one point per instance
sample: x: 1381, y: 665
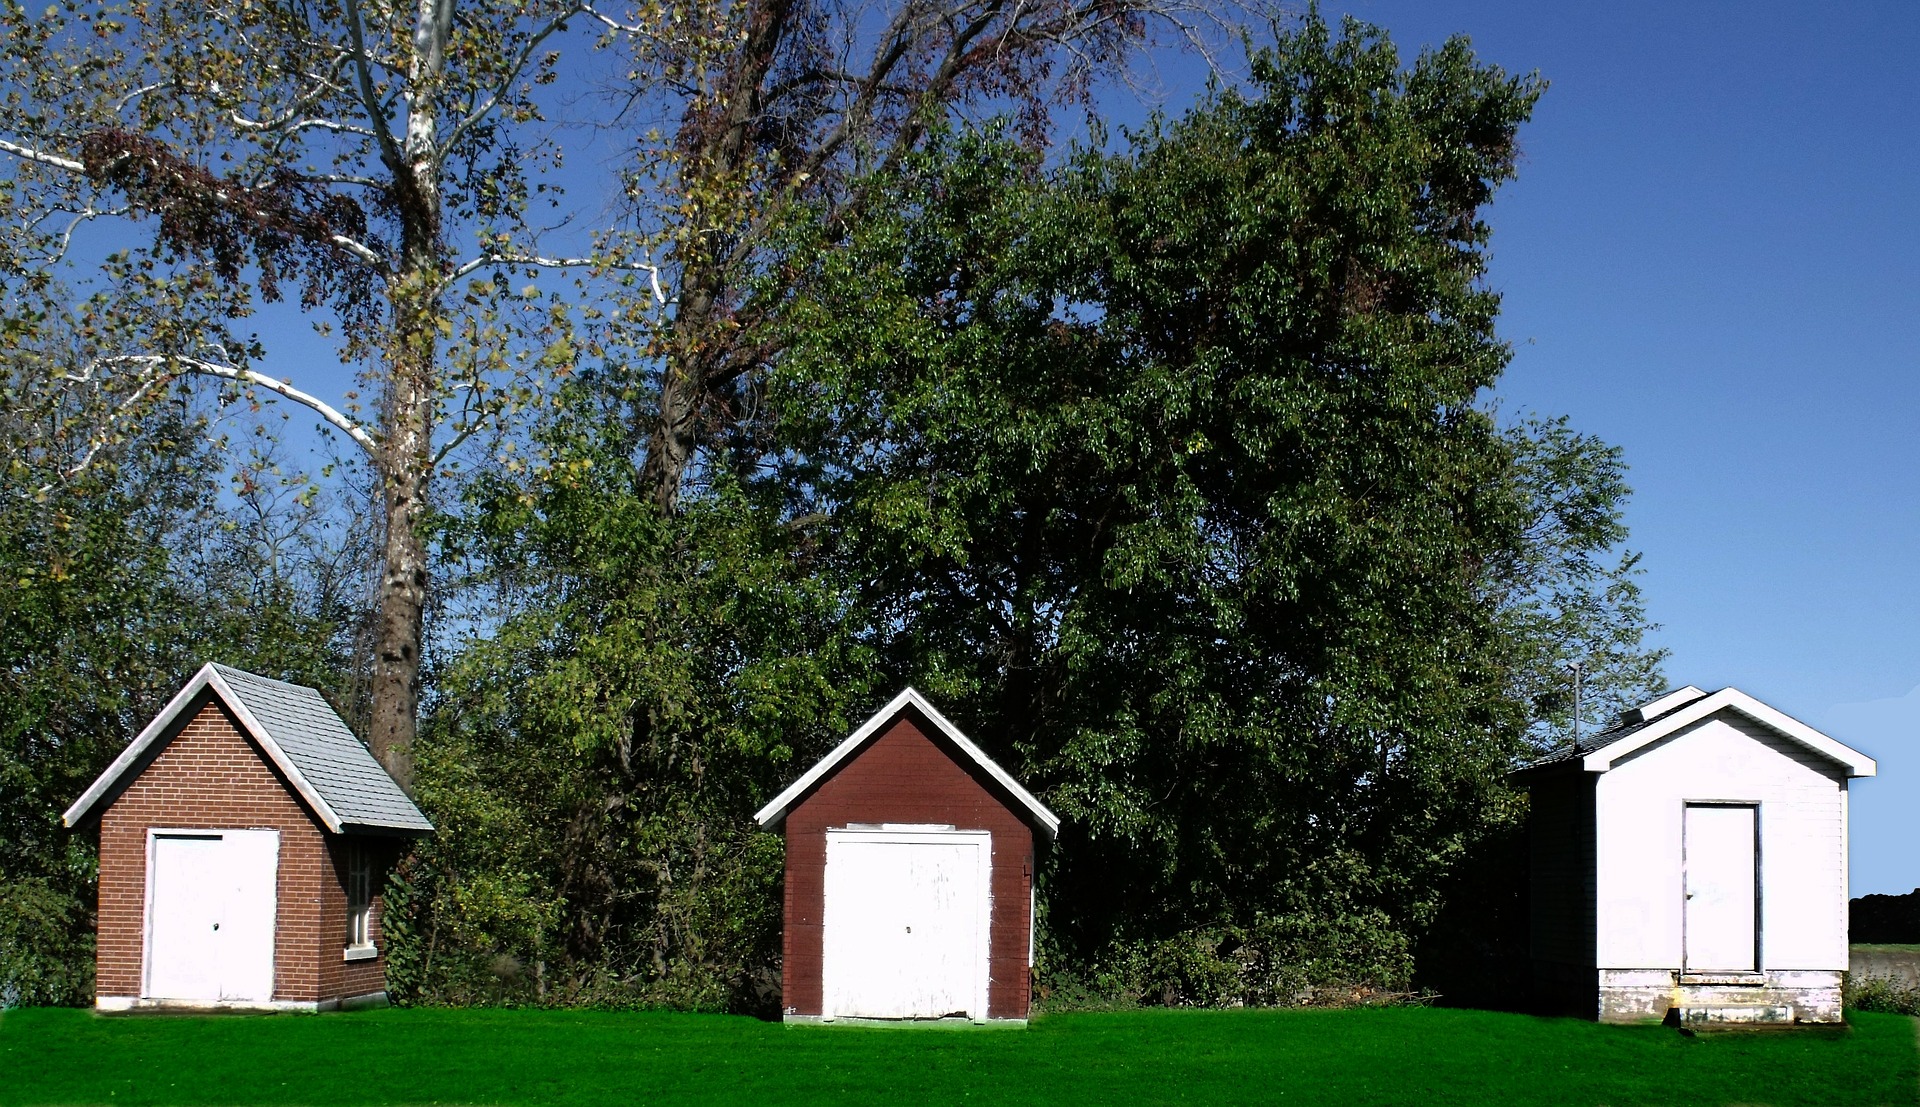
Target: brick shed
x: 909, y: 879
x: 1691, y: 862
x: 245, y: 836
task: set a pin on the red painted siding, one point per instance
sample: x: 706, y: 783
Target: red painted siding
x: 210, y: 776
x: 904, y: 776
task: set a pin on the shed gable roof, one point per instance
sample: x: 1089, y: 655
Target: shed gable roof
x: 1644, y: 725
x: 305, y: 738
x: 775, y: 811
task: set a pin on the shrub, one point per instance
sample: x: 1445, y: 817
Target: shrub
x: 1880, y: 993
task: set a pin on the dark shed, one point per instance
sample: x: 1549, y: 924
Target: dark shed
x: 909, y: 876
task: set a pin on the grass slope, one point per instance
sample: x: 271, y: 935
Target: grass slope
x: 1379, y: 1056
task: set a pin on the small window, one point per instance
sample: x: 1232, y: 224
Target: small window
x: 359, y: 899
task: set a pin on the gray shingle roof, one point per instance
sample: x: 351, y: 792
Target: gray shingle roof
x: 1574, y: 751
x: 1674, y: 712
x: 338, y: 767
x: 336, y: 776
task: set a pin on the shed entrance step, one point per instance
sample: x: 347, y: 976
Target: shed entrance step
x: 1703, y: 1014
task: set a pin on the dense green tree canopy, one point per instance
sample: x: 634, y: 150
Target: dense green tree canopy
x: 1168, y: 471
x: 1167, y: 467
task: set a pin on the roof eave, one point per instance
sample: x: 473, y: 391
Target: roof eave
x: 321, y: 809
x: 82, y: 808
x: 775, y: 812
x: 207, y: 678
x: 1537, y: 769
x: 388, y: 830
x: 1856, y: 763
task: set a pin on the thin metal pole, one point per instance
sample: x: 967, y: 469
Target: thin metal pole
x: 1577, y: 668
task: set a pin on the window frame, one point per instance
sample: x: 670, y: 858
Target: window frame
x: 359, y: 888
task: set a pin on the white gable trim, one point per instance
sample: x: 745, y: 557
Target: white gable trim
x: 1664, y: 704
x: 770, y: 815
x: 1855, y: 762
x: 207, y: 677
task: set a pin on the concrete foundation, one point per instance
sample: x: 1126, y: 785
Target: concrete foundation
x: 1776, y: 996
x: 116, y: 1004
x: 948, y: 1023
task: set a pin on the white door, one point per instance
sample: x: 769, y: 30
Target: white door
x: 1722, y: 889
x: 905, y: 929
x: 210, y: 914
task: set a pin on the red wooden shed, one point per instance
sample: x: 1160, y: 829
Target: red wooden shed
x: 245, y: 836
x: 909, y: 891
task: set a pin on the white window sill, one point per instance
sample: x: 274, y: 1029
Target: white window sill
x: 361, y: 953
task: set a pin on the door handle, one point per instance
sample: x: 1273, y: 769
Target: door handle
x: 216, y: 926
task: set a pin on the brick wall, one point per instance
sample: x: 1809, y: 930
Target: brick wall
x: 904, y: 776
x: 340, y: 977
x: 210, y: 776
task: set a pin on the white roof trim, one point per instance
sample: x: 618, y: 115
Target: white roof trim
x: 207, y: 677
x: 1663, y: 705
x: 772, y: 813
x: 1856, y: 763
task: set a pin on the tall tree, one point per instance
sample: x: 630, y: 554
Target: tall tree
x: 1171, y: 471
x: 385, y: 157
x: 375, y: 155
x: 799, y: 102
x: 1167, y: 471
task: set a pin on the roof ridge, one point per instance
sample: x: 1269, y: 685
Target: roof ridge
x: 249, y: 674
x: 1636, y: 729
x: 301, y: 732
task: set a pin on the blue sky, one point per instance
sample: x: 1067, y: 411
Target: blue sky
x: 1712, y: 259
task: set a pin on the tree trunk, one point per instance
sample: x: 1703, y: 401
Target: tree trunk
x: 699, y: 349
x: 683, y: 392
x: 406, y: 470
x: 406, y: 452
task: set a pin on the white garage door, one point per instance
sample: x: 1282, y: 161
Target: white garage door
x: 1722, y: 900
x: 906, y: 923
x: 210, y: 913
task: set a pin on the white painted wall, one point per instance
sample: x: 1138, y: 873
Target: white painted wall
x: 906, y: 925
x: 1640, y: 815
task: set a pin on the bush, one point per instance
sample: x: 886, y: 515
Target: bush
x: 1879, y: 993
x: 1291, y: 961
x: 46, y: 946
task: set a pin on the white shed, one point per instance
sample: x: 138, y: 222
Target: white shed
x: 1691, y: 862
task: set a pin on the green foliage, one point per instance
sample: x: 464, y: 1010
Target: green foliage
x: 114, y: 588
x: 1883, y: 994
x: 1167, y: 469
x: 593, y: 759
x: 1567, y: 593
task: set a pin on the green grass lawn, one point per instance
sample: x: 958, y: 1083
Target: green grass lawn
x: 1418, y: 1056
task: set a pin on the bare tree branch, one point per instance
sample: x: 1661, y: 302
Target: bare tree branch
x: 360, y: 251
x: 290, y: 124
x: 41, y: 156
x: 370, y: 103
x: 537, y: 262
x: 512, y: 74
x: 159, y: 367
